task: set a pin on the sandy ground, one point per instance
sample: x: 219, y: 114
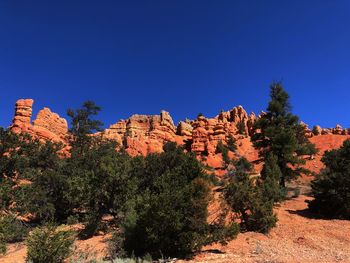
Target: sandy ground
x: 298, y: 237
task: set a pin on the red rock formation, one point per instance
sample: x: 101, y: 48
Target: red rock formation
x: 23, y: 113
x: 317, y: 130
x: 208, y: 132
x: 185, y: 128
x: 50, y: 126
x: 46, y: 126
x: 142, y: 134
x: 338, y: 130
x: 307, y: 132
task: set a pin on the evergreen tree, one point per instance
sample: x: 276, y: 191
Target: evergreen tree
x: 82, y: 125
x: 81, y: 119
x: 98, y: 175
x: 100, y: 183
x: 270, y: 177
x: 247, y: 200
x: 221, y: 148
x: 170, y: 216
x: 243, y: 165
x: 279, y: 132
x: 231, y: 144
x: 331, y: 187
x: 241, y: 127
x: 44, y: 197
x: 26, y: 159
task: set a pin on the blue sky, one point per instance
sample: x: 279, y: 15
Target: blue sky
x: 182, y: 56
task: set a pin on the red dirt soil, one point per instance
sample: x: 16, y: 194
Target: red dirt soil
x: 297, y: 238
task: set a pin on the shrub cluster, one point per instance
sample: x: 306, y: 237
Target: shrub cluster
x: 11, y: 230
x: 250, y: 199
x: 224, y: 149
x: 49, y: 244
x: 158, y: 203
x: 331, y: 187
x: 157, y: 206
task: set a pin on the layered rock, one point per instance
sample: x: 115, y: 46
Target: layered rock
x: 185, y: 129
x: 307, y: 132
x: 23, y: 114
x: 142, y: 134
x: 47, y: 125
x: 208, y: 132
x: 338, y: 130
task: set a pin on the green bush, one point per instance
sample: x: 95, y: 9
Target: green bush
x: 12, y: 229
x: 221, y: 148
x: 49, y: 245
x: 296, y: 192
x: 231, y: 144
x: 3, y: 247
x: 241, y: 127
x: 271, y: 175
x: 246, y: 199
x: 170, y: 215
x: 243, y: 165
x: 315, y: 130
x: 331, y: 187
x: 116, y: 246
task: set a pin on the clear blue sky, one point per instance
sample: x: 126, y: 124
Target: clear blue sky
x: 182, y: 56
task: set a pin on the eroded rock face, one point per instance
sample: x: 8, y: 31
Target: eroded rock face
x: 207, y: 132
x: 307, y: 132
x: 338, y: 130
x: 47, y: 125
x: 317, y: 130
x: 23, y: 113
x: 142, y: 134
x: 185, y: 129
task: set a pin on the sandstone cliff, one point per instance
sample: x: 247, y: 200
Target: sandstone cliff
x: 143, y: 134
x: 46, y: 126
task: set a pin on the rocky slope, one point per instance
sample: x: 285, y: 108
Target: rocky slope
x: 143, y: 134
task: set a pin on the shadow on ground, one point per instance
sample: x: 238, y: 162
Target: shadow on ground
x: 213, y: 251
x: 307, y: 214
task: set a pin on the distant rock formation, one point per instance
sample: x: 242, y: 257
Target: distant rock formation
x: 143, y: 134
x: 338, y: 130
x: 23, y: 114
x: 46, y: 126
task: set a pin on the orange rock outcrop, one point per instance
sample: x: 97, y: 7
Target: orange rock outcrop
x: 143, y: 134
x: 47, y: 125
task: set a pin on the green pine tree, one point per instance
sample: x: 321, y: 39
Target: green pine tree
x: 270, y: 177
x: 331, y: 187
x: 279, y: 132
x: 247, y: 200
